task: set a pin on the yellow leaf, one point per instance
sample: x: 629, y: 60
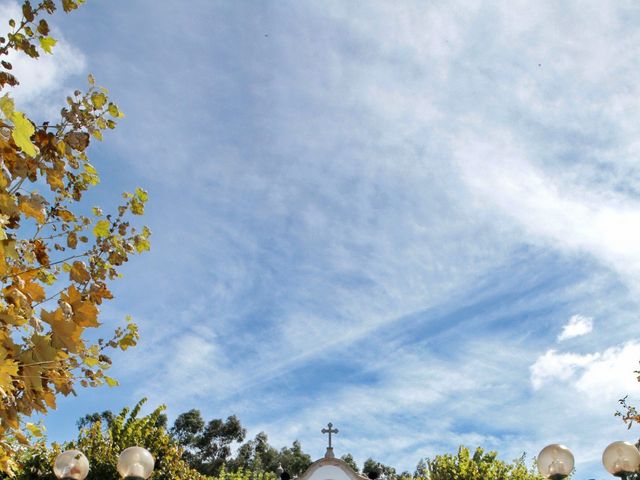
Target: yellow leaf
x: 112, y: 382
x: 6, y: 105
x: 21, y: 133
x: 79, y: 272
x: 32, y: 374
x: 90, y: 169
x: 8, y: 370
x: 49, y: 398
x: 65, y: 215
x: 21, y: 438
x: 8, y: 204
x: 33, y: 206
x: 34, y: 290
x: 35, y: 430
x: 65, y: 332
x: 72, y: 240
x: 98, y: 100
x: 85, y: 313
x: 101, y: 228
x: 90, y: 361
x: 142, y: 195
x: 42, y: 351
x: 115, y: 111
x: 142, y: 245
x: 47, y: 43
x: 7, y: 250
x: 54, y: 178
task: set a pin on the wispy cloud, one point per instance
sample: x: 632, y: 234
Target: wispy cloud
x: 381, y: 215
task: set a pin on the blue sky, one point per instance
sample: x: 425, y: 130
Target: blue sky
x: 417, y: 220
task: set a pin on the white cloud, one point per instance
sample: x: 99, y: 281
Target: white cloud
x: 43, y: 81
x: 601, y: 376
x: 577, y: 326
x: 553, y: 365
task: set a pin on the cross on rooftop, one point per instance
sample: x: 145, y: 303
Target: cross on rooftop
x: 330, y: 430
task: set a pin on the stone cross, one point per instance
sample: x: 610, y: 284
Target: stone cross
x: 330, y: 430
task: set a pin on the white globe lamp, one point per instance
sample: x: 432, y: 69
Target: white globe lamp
x: 135, y: 463
x: 555, y: 462
x: 71, y: 465
x: 621, y: 459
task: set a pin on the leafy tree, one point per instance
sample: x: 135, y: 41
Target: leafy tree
x: 374, y: 469
x: 107, y: 417
x: 256, y: 455
x: 89, y: 419
x: 479, y: 466
x: 207, y: 445
x: 265, y: 456
x: 244, y: 474
x: 293, y: 459
x: 422, y: 469
x: 50, y: 249
x: 102, y: 443
x: 349, y: 460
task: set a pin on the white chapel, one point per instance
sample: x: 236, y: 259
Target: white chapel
x: 329, y: 467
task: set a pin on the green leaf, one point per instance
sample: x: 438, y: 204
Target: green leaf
x: 102, y: 228
x: 47, y: 43
x: 22, y: 133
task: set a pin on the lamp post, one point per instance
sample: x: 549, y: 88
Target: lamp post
x: 621, y: 459
x: 134, y: 463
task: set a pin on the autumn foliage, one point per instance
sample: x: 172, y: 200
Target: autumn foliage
x: 57, y: 256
